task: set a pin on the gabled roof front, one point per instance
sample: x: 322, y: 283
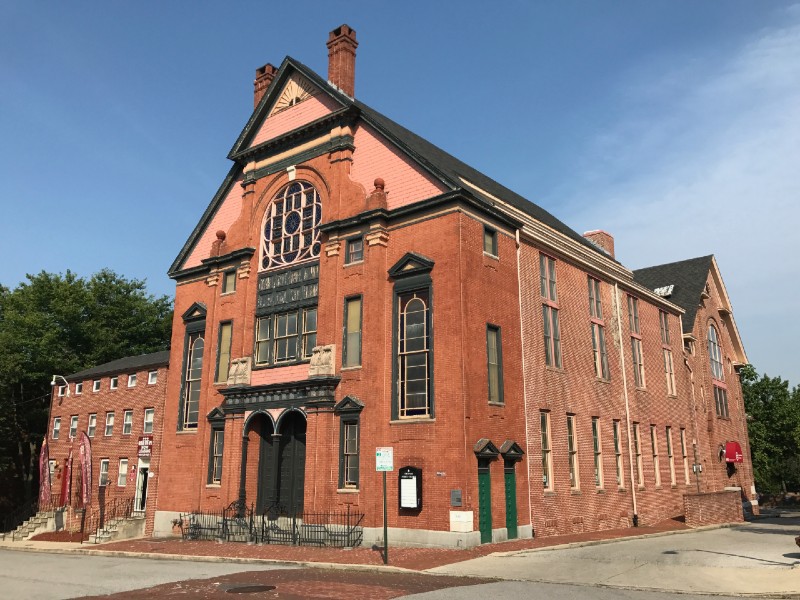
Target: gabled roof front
x: 129, y: 364
x: 442, y: 166
x: 688, y: 278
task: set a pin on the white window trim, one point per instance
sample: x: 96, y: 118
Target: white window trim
x: 96, y: 385
x: 132, y: 380
x: 127, y: 423
x: 152, y: 377
x: 152, y: 412
x: 78, y: 389
x: 114, y: 382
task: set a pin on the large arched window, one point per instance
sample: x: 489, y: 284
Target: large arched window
x: 715, y: 354
x: 413, y: 354
x: 194, y: 369
x: 291, y: 226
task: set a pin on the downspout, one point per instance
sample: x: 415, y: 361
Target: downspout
x: 524, y: 381
x: 695, y: 457
x: 627, y: 404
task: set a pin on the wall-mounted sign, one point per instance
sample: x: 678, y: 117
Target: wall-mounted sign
x: 410, y: 484
x: 145, y: 445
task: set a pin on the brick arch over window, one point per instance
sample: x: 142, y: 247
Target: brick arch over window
x: 290, y: 226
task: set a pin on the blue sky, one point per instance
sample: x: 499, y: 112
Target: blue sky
x: 674, y: 125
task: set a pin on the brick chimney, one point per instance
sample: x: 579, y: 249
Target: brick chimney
x: 264, y: 76
x: 603, y: 239
x: 342, y: 46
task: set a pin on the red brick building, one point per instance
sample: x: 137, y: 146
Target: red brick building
x: 120, y: 407
x: 352, y: 287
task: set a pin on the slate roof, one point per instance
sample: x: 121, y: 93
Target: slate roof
x: 443, y: 165
x: 129, y: 364
x: 689, y: 278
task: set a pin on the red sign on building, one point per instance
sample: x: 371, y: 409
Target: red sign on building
x: 145, y: 445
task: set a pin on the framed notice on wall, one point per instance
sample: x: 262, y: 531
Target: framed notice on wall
x: 410, y: 488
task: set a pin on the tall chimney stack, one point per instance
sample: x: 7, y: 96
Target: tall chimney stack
x: 264, y: 76
x: 342, y: 46
x: 603, y: 239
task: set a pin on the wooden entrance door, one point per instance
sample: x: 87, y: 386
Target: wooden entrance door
x: 511, y: 499
x: 291, y: 466
x: 484, y: 501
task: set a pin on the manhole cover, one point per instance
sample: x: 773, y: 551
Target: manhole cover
x: 250, y: 589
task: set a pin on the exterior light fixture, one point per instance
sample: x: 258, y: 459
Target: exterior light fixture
x: 60, y: 377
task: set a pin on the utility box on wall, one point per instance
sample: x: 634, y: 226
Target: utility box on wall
x: 410, y: 486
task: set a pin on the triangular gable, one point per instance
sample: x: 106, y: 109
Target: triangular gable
x: 411, y: 264
x: 484, y: 448
x: 195, y: 312
x: 726, y: 312
x: 216, y: 414
x: 511, y: 450
x: 292, y: 78
x: 348, y: 404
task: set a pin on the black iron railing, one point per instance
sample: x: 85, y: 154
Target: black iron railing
x: 97, y: 519
x: 13, y: 519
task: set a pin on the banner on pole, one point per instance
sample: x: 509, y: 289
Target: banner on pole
x: 44, y: 475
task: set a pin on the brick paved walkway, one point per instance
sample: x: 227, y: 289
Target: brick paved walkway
x: 410, y: 558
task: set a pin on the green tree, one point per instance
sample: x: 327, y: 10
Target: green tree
x: 773, y: 411
x: 54, y: 323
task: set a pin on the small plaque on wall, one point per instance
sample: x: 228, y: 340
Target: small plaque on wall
x: 410, y: 486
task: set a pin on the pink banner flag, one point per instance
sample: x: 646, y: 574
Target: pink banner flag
x: 67, y: 480
x: 44, y: 476
x: 86, y: 469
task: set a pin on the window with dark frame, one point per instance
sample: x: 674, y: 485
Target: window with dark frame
x: 598, y: 453
x: 552, y: 331
x: 413, y: 353
x: 354, y: 250
x: 637, y: 357
x: 572, y: 449
x: 350, y: 453
x: 618, y: 455
x: 684, y: 456
x: 597, y: 325
x: 489, y: 241
x: 637, y: 449
x: 229, y: 281
x: 670, y: 456
x: 656, y: 463
x: 494, y: 361
x: 351, y: 343
x: 224, y: 351
x: 547, y: 466
x: 217, y: 449
x: 191, y: 380
x: 291, y: 226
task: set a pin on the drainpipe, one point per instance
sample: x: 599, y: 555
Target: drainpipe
x: 694, y: 422
x: 627, y: 405
x: 524, y: 380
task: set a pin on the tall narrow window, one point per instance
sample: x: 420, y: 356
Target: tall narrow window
x: 717, y: 373
x: 192, y: 375
x: 572, y: 448
x: 229, y: 281
x: 349, y: 454
x: 132, y: 380
x: 489, y: 241
x: 664, y: 322
x: 413, y: 353
x: 122, y: 472
x: 92, y: 425
x: 127, y: 422
x: 149, y: 413
x: 656, y: 464
x: 56, y: 427
x: 637, y: 449
x: 598, y: 453
x: 670, y: 456
x: 224, y: 351
x: 669, y: 369
x: 552, y: 331
x: 494, y: 359
x: 217, y: 448
x: 73, y: 426
x: 285, y: 337
x: 636, y: 342
x: 351, y: 353
x: 109, y: 423
x: 598, y: 330
x: 102, y: 480
x: 685, y: 457
x: 547, y: 465
x: 309, y: 331
x: 618, y: 454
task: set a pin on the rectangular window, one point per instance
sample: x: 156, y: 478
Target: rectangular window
x: 285, y: 337
x: 547, y: 465
x: 78, y: 389
x: 122, y: 472
x: 349, y: 454
x: 618, y: 454
x: 721, y: 401
x: 96, y: 385
x: 351, y: 351
x: 217, y: 447
x: 109, y: 423
x: 414, y: 354
x: 654, y: 445
x: 685, y: 457
x: 114, y: 382
x: 149, y: 413
x: 633, y: 315
x: 229, y: 282
x: 127, y: 422
x: 599, y: 351
x: 62, y: 390
x: 309, y: 331
x: 494, y: 359
x: 638, y: 361
x: 354, y: 251
x: 132, y: 380
x: 670, y: 456
x: 598, y: 453
x: 552, y: 331
x: 595, y: 304
x: 103, y: 479
x: 56, y: 427
x: 572, y: 448
x: 92, y: 425
x: 73, y: 427
x: 489, y: 241
x: 195, y: 347
x: 669, y: 372
x: 547, y: 275
x: 152, y: 377
x: 264, y: 340
x: 663, y: 319
x: 224, y: 351
x: 637, y: 450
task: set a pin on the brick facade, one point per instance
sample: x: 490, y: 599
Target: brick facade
x: 712, y: 508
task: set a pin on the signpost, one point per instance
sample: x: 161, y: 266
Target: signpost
x: 384, y: 461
